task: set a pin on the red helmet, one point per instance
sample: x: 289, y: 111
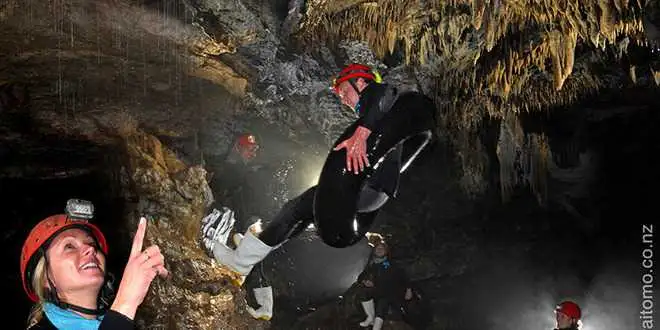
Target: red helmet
x: 569, y: 308
x: 247, y: 140
x: 355, y: 70
x: 247, y: 146
x: 39, y: 238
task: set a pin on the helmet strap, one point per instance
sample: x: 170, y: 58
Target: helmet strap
x: 80, y: 309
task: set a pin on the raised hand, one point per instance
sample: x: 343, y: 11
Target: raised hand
x: 356, y: 150
x: 141, y: 269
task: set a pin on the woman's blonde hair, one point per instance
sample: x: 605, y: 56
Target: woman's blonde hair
x: 39, y: 287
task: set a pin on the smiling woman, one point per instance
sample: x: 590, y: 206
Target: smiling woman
x: 63, y: 270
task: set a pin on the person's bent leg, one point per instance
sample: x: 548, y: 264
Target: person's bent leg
x: 254, y: 247
x: 382, y: 306
x: 366, y: 298
x: 248, y: 253
x: 292, y: 219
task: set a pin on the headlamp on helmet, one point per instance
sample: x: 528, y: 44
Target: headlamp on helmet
x: 79, y: 209
x: 78, y: 213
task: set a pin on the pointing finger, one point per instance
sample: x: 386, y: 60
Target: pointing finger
x: 136, y: 249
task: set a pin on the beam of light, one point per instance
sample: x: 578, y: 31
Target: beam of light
x: 613, y: 300
x: 311, y: 175
x: 306, y: 174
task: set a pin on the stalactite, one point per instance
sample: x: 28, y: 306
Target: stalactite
x: 509, y: 146
x: 391, y: 36
x: 606, y: 20
x: 500, y: 81
x: 478, y: 7
x: 538, y: 154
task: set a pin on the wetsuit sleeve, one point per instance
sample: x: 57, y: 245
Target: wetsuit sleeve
x: 397, y: 277
x: 403, y: 277
x: 114, y: 321
x: 370, y: 119
x: 362, y: 276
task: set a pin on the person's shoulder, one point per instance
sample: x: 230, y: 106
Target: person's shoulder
x: 376, y: 89
x: 398, y: 265
x: 373, y: 94
x: 116, y: 320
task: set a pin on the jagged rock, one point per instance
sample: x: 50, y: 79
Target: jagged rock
x: 227, y: 20
x: 199, y: 293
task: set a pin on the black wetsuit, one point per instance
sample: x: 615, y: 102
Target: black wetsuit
x: 296, y: 214
x: 390, y: 283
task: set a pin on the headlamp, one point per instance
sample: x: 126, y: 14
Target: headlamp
x: 78, y: 209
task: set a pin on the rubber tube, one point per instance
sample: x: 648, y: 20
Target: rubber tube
x: 336, y: 218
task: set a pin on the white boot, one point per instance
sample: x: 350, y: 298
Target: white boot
x: 369, y: 309
x: 378, y: 323
x: 264, y: 297
x: 255, y: 228
x: 248, y: 253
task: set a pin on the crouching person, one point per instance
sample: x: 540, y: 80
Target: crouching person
x: 63, y: 269
x: 382, y: 286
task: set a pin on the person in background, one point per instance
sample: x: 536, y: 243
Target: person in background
x: 244, y: 149
x: 568, y: 316
x: 236, y: 170
x: 382, y: 286
x: 63, y: 270
x: 239, y: 169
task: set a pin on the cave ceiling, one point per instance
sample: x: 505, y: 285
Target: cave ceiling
x: 495, y: 48
x: 118, y: 63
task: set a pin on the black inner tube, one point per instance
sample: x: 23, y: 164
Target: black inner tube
x: 337, y: 215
